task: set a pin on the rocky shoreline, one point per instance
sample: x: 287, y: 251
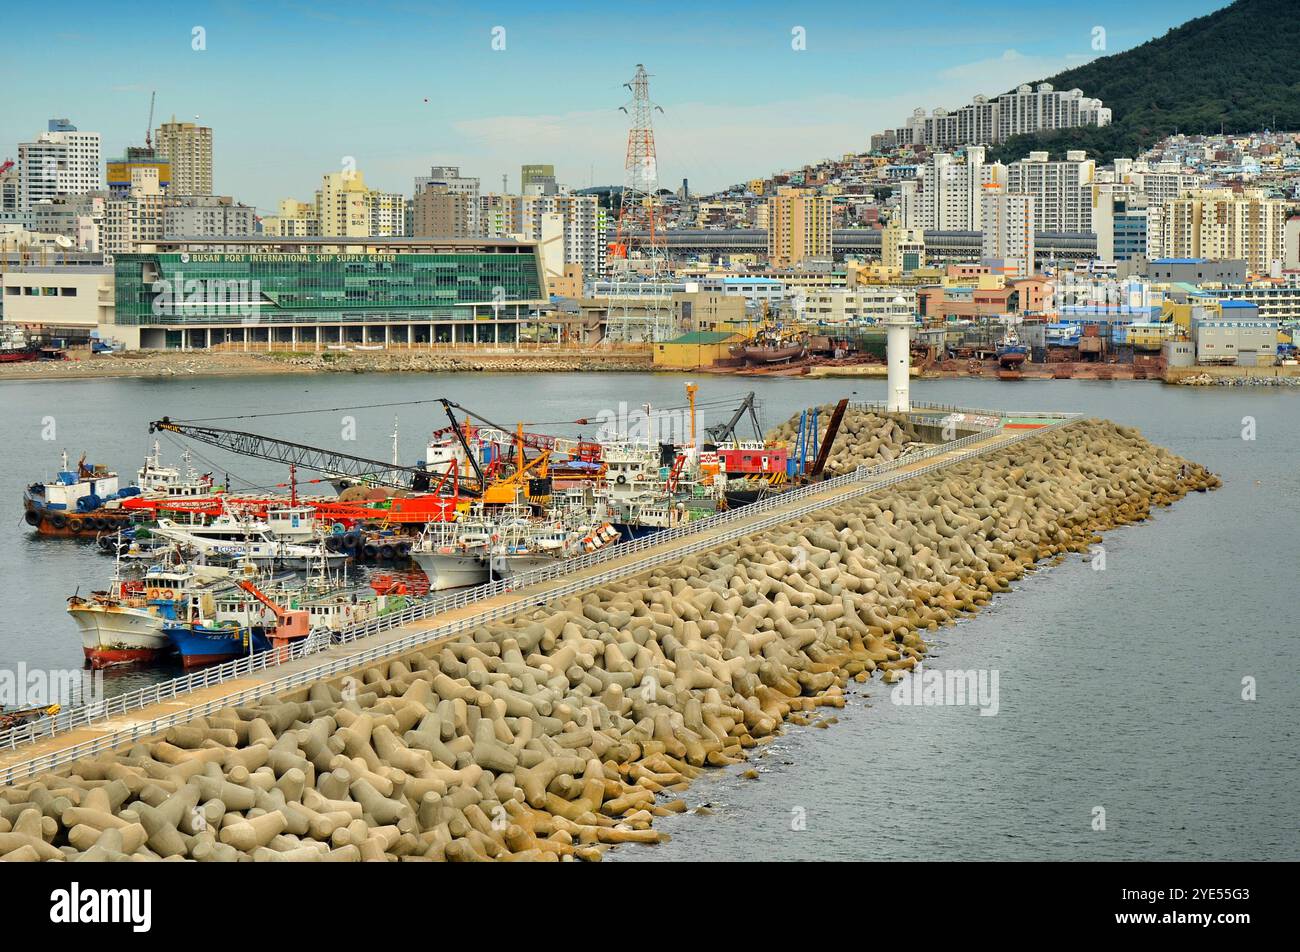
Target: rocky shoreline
x: 226, y: 363
x: 568, y: 729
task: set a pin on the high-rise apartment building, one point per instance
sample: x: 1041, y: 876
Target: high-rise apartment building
x: 343, y: 205
x: 188, y: 147
x: 118, y: 170
x: 137, y: 216
x: 987, y: 121
x: 1160, y: 182
x: 798, y: 227
x: 206, y: 216
x: 1008, y: 230
x: 537, y: 180
x: 583, y: 225
x: 77, y: 217
x: 902, y: 250
x: 388, y: 213
x: 1122, y: 226
x: 448, y: 178
x: 945, y: 195
x: 439, y: 213
x: 294, y: 219
x: 8, y: 191
x: 1062, y: 190
x: 61, y: 161
x: 1221, y: 224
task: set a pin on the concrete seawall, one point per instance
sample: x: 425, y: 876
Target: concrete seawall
x: 570, y: 726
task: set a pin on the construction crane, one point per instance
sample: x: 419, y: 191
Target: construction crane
x: 529, y: 474
x: 148, y: 129
x: 314, y: 458
x: 724, y: 432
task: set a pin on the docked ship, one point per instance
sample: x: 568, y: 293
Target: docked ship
x: 77, y: 503
x: 15, y: 347
x: 157, y: 480
x: 454, y: 554
x: 233, y: 538
x: 124, y: 624
x: 522, y: 546
x: 234, y: 623
x: 772, y: 345
x: 1011, y: 352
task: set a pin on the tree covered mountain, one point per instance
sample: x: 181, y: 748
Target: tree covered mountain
x: 1235, y: 70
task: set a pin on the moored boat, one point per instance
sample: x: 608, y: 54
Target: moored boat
x: 78, y: 503
x: 124, y: 624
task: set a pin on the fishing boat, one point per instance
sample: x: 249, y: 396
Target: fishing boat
x: 772, y: 346
x: 454, y: 554
x: 204, y: 641
x: 1011, y: 352
x: 77, y: 503
x: 231, y: 537
x: 157, y: 480
x: 237, y: 622
x: 124, y: 624
x: 523, y: 545
x: 332, y: 604
x: 772, y: 343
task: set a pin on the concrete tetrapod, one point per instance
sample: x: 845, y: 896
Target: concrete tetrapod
x: 570, y: 728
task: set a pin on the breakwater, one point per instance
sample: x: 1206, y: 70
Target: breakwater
x: 566, y: 729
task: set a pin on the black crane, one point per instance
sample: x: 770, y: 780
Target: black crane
x: 722, y: 432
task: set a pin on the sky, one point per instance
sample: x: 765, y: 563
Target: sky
x: 296, y: 89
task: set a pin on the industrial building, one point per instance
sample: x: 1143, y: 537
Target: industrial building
x: 313, y: 293
x: 1235, y: 334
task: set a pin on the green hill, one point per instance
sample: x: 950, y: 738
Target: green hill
x: 1235, y: 70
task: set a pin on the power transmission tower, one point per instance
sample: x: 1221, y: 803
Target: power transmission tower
x: 640, y: 306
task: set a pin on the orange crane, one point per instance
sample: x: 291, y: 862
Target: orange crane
x: 290, y: 623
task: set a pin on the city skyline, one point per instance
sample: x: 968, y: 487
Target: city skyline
x: 426, y: 89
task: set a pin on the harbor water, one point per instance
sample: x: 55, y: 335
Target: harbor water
x: 1120, y: 681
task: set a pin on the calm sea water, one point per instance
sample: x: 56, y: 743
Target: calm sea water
x: 1118, y: 689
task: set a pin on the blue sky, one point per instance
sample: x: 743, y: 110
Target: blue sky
x: 291, y: 89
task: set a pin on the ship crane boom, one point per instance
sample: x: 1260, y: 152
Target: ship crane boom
x: 314, y: 458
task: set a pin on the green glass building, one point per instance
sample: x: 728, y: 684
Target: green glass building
x: 315, y: 293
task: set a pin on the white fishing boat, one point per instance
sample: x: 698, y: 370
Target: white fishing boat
x: 454, y: 554
x: 523, y: 545
x: 234, y: 538
x: 155, y: 479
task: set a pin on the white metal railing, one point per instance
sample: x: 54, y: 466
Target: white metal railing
x: 876, y: 477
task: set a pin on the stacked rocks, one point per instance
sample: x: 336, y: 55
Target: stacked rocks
x: 864, y: 438
x: 568, y: 729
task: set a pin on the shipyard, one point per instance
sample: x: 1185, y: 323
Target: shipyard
x: 709, y: 434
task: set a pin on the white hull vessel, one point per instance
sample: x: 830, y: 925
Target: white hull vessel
x: 112, y: 634
x: 451, y: 570
x: 508, y: 566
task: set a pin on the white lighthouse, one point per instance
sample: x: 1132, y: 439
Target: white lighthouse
x: 898, y: 326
